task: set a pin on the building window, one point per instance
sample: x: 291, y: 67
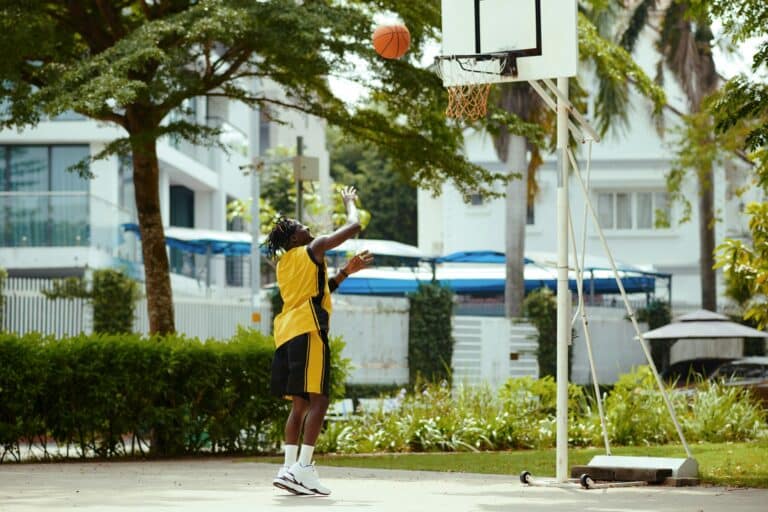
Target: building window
x: 127, y: 194
x: 43, y: 204
x: 182, y: 201
x: 631, y: 210
x: 236, y: 265
x: 265, y: 124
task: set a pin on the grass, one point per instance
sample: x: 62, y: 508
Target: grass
x: 721, y: 464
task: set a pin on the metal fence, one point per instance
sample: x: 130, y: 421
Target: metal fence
x: 26, y: 310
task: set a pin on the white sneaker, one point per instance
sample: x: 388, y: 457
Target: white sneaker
x: 284, y: 481
x: 307, y: 477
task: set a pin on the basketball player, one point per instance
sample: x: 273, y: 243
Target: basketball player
x: 301, y: 366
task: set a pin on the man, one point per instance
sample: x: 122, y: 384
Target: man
x: 301, y: 366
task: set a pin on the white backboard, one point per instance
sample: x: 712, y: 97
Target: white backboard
x: 542, y: 31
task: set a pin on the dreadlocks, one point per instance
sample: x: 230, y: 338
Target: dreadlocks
x: 280, y: 236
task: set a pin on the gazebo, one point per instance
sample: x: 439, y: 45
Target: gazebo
x: 705, y: 339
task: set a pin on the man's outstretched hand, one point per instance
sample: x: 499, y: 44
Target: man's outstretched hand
x: 358, y: 262
x: 348, y: 193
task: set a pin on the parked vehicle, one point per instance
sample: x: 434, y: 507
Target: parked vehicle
x: 748, y: 372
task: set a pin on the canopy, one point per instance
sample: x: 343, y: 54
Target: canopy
x: 703, y: 324
x: 199, y: 241
x: 384, y: 251
x: 476, y: 257
x: 479, y: 280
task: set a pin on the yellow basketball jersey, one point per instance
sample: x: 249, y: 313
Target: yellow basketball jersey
x: 303, y: 284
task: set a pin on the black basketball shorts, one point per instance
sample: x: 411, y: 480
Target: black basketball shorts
x: 302, y: 365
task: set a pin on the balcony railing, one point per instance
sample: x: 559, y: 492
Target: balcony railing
x: 64, y: 219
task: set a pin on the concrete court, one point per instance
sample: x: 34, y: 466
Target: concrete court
x: 228, y: 485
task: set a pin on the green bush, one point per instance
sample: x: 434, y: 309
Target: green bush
x: 540, y: 307
x: 111, y: 395
x: 113, y: 296
x: 430, y: 342
x: 522, y: 413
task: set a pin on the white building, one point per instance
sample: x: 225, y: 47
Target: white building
x: 628, y: 184
x: 54, y: 223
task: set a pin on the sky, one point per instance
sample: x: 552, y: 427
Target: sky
x: 728, y: 65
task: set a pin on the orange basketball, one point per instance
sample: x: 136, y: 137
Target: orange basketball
x: 391, y: 41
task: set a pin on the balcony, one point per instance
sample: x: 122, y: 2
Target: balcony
x: 35, y: 220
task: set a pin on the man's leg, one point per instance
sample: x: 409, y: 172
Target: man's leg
x: 318, y: 405
x: 299, y: 409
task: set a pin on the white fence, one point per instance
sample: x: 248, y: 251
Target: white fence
x: 491, y: 350
x: 27, y: 310
x: 375, y: 329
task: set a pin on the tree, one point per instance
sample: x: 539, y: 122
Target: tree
x: 133, y: 62
x: 685, y: 44
x: 742, y: 102
x: 386, y: 194
x: 521, y: 122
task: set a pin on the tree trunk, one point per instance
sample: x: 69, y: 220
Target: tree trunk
x: 707, y: 240
x: 146, y: 173
x: 516, y: 215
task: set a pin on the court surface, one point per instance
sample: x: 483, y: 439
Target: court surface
x: 224, y: 485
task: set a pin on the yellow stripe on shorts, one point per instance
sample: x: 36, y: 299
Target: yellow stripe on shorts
x: 313, y: 373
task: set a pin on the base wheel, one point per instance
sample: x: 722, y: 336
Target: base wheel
x: 524, y: 477
x: 586, y: 481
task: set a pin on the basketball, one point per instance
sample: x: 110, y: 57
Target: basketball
x: 391, y: 41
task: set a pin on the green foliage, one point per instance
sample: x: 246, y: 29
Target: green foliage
x: 113, y: 296
x: 112, y: 395
x: 521, y: 414
x: 743, y: 98
x: 384, y: 190
x: 698, y: 149
x: 635, y: 410
x: 68, y: 288
x: 341, y: 367
x: 719, y: 413
x: 540, y: 308
x: 657, y: 313
x: 746, y: 267
x: 430, y: 343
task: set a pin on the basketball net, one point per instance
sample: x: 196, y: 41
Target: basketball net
x: 467, y: 80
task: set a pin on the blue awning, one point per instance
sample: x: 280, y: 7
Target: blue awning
x: 200, y: 241
x: 476, y: 257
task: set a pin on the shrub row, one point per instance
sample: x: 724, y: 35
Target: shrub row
x: 108, y: 395
x: 522, y: 415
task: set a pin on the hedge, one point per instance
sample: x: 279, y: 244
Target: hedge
x: 112, y: 395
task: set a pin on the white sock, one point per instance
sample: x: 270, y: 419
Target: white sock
x: 291, y: 454
x: 305, y: 456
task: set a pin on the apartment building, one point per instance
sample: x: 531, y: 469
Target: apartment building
x: 53, y: 223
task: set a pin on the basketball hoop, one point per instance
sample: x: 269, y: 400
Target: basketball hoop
x: 468, y: 80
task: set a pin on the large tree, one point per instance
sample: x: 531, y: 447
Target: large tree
x: 685, y: 44
x: 742, y: 104
x: 132, y: 62
x: 522, y: 124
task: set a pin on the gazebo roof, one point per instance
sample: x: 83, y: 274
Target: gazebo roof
x: 703, y: 324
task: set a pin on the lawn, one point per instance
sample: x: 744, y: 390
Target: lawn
x: 723, y: 464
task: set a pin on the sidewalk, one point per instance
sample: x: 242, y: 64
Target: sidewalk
x: 228, y: 485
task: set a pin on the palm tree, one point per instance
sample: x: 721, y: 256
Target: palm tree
x: 685, y: 44
x: 614, y: 71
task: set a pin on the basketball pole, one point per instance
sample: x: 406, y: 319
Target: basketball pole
x: 563, y: 292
